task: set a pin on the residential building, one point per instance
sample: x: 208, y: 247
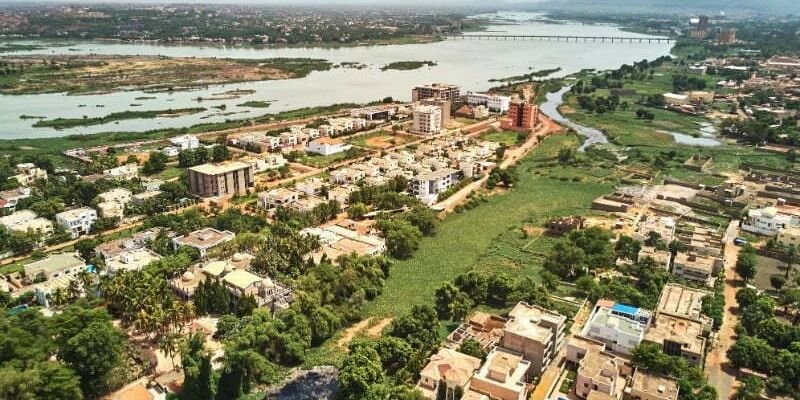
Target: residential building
x: 486, y: 329
x: 599, y: 372
x: 113, y: 202
x: 28, y: 173
x: 522, y: 116
x: 27, y: 221
x: 664, y: 227
x: 77, y: 221
x: 645, y: 386
x: 435, y: 91
x: 221, y: 180
x: 342, y: 193
x: 53, y: 266
x: 374, y: 113
x: 427, y: 120
x: 534, y: 332
x: 280, y: 197
x: 449, y: 368
x: 10, y: 198
x: 326, y: 146
x: 123, y: 172
x: 685, y: 302
x: 493, y: 102
x: 347, y: 175
x: 310, y: 187
x: 203, y: 240
x: 789, y: 236
x: 619, y: 326
x: 185, y: 142
x: 765, y: 221
x: 131, y: 260
x: 662, y: 258
x: 502, y: 376
x: 337, y: 241
x: 678, y: 336
x: 695, y: 267
x: 114, y: 248
x: 427, y: 185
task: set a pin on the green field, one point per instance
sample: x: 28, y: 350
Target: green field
x: 488, y: 237
x: 507, y: 138
x: 320, y: 161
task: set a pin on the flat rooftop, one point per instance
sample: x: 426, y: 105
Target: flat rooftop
x: 604, y: 317
x: 204, y: 238
x: 654, y: 385
x: 695, y: 262
x: 682, y: 300
x: 222, y: 168
x: 53, y: 263
x: 528, y: 321
x: 676, y: 329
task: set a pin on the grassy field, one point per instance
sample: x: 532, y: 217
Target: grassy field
x: 380, y: 139
x: 320, y: 161
x: 507, y: 138
x: 490, y: 232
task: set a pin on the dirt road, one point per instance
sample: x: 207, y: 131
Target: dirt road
x: 720, y: 374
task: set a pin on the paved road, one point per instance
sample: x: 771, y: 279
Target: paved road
x: 720, y: 374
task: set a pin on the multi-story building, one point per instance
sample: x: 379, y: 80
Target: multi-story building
x: 185, y: 142
x: 203, y: 240
x: 678, y: 336
x: 278, y: 197
x: 600, y: 373
x: 221, y: 180
x: 427, y: 120
x: 695, y: 267
x: 534, y: 332
x: 53, y: 266
x: 502, y: 376
x: 113, y: 202
x: 77, y: 221
x: 28, y: 173
x: 766, y: 221
x: 684, y: 302
x: 427, y: 185
x: 493, y: 102
x: 27, y: 221
x: 10, y: 198
x: 620, y: 327
x: 441, y: 91
x: 449, y: 368
x: 727, y: 36
x: 522, y: 116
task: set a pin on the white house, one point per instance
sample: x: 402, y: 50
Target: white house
x: 327, y: 146
x: 766, y: 221
x: 492, y: 101
x: 427, y: 185
x: 427, y: 120
x: 113, y: 202
x: 620, y: 327
x: 185, y: 142
x: 78, y: 221
x: 25, y: 221
x: 124, y: 172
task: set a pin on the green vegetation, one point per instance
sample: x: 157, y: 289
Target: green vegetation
x: 536, y: 197
x: 256, y: 104
x: 407, y: 65
x: 320, y: 161
x: 529, y: 77
x: 14, y: 47
x: 506, y: 138
x: 64, y: 123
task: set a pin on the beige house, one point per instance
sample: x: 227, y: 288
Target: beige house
x: 203, y: 240
x: 644, y: 386
x: 600, y: 373
x: 536, y: 333
x: 696, y: 267
x: 685, y: 302
x: 502, y: 376
x: 449, y: 368
x: 678, y: 336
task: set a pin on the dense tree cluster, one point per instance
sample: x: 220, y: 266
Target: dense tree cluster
x: 692, y: 383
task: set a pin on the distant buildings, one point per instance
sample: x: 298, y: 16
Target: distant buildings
x: 221, y: 180
x: 727, y: 36
x: 522, y: 116
x: 203, y: 240
x: 427, y: 120
x: 440, y: 91
x: 327, y: 146
x: 123, y: 173
x: 77, y: 221
x: 185, y: 142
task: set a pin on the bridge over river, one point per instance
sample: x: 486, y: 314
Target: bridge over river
x: 562, y: 38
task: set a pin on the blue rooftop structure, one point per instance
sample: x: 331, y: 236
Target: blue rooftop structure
x: 631, y: 312
x: 625, y: 309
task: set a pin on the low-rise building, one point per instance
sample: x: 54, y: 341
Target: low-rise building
x: 221, y: 180
x: 678, y: 336
x: 662, y: 258
x: 534, y: 332
x: 695, y: 267
x: 447, y: 371
x: 123, y: 172
x: 131, y: 260
x: 113, y: 202
x: 645, y: 386
x: 674, y: 99
x: 114, y: 248
x: 10, y: 198
x: 53, y: 266
x: 664, y: 227
x: 27, y: 221
x: 685, y: 302
x: 77, y: 221
x: 28, y: 173
x: 327, y: 145
x: 347, y: 175
x: 619, y: 326
x: 310, y: 187
x: 185, y: 142
x: 280, y: 197
x: 486, y: 329
x: 337, y: 241
x: 203, y: 240
x: 765, y: 221
x: 502, y: 376
x: 427, y: 186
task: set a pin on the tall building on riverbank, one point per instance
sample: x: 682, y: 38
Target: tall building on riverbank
x: 439, y: 91
x: 522, y: 116
x: 221, y: 180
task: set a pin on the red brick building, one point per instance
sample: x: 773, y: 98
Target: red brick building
x: 521, y: 116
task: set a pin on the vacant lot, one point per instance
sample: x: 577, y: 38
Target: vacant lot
x: 381, y: 140
x: 489, y: 237
x: 768, y: 267
x: 507, y: 138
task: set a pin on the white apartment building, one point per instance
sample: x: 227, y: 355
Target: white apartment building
x: 78, y: 221
x: 427, y: 120
x: 619, y: 327
x: 492, y: 101
x: 124, y: 172
x: 185, y: 142
x: 427, y: 185
x: 327, y: 146
x: 766, y: 221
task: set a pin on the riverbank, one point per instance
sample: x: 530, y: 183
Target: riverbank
x: 107, y: 74
x: 63, y: 123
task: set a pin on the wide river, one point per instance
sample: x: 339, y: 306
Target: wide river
x: 468, y: 63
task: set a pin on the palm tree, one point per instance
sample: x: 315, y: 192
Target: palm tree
x: 59, y: 297
x: 791, y: 258
x: 169, y: 345
x: 74, y: 290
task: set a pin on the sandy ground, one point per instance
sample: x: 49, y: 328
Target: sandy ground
x: 363, y: 327
x: 720, y: 374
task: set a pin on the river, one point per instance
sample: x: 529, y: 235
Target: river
x: 469, y: 63
x: 550, y: 108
